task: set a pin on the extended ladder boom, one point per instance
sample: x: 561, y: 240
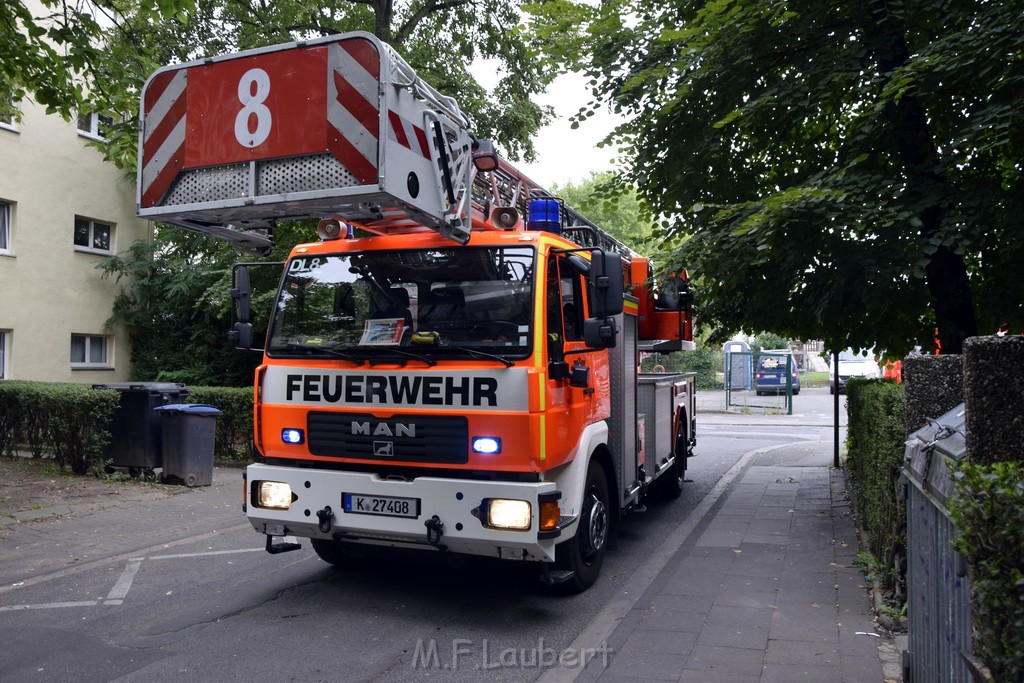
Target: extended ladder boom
x: 335, y: 126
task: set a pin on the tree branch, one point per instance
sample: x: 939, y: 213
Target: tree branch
x: 425, y: 10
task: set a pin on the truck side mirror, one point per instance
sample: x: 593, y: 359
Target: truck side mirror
x: 607, y: 282
x: 600, y: 333
x: 241, y: 336
x: 241, y: 293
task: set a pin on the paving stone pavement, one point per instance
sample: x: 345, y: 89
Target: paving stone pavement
x: 764, y: 589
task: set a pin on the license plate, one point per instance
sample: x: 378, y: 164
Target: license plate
x: 387, y: 506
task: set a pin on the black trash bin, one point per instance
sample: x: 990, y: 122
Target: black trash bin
x: 189, y: 431
x: 135, y: 429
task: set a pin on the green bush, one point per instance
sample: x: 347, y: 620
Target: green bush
x: 706, y: 362
x: 234, y: 428
x: 70, y: 421
x: 988, y: 510
x: 875, y: 445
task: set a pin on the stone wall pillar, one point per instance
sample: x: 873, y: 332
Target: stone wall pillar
x: 994, y: 392
x: 933, y: 386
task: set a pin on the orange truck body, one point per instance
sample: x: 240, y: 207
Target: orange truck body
x: 454, y: 378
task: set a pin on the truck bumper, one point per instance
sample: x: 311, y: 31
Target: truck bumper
x: 458, y: 504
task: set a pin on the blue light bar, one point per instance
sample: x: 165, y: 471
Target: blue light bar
x: 292, y: 436
x: 545, y: 215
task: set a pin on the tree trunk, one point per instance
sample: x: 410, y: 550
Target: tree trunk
x: 928, y: 189
x: 383, y: 13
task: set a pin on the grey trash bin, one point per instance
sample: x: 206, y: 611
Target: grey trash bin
x: 189, y: 431
x: 135, y: 428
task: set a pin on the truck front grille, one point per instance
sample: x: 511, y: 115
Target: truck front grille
x: 407, y: 438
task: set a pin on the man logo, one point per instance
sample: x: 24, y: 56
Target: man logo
x: 384, y: 449
x: 383, y: 429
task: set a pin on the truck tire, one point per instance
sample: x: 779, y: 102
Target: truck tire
x: 333, y: 552
x: 671, y: 483
x: 583, y: 554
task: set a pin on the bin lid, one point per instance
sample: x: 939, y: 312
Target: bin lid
x: 191, y: 409
x: 162, y: 387
x: 928, y: 450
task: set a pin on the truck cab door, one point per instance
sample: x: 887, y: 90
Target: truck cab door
x: 569, y: 400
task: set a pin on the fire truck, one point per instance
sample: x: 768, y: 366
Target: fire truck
x: 454, y: 365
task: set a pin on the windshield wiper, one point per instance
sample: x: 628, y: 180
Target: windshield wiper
x: 313, y: 350
x: 426, y: 359
x: 483, y: 354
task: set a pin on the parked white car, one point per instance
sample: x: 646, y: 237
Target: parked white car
x: 852, y: 364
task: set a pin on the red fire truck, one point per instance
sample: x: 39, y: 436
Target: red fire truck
x: 454, y: 365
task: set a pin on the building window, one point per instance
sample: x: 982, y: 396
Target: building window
x: 89, y: 351
x: 93, y: 236
x: 93, y: 125
x: 3, y: 353
x: 5, y: 228
x: 8, y: 111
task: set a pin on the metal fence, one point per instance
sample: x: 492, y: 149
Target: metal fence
x: 938, y: 590
x: 752, y: 389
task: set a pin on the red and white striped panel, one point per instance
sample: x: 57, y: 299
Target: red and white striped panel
x: 163, y: 134
x: 408, y: 135
x: 353, y: 84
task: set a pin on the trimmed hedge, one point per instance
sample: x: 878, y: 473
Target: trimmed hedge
x: 72, y: 421
x: 233, y: 440
x: 68, y: 420
x: 988, y: 510
x: 875, y: 444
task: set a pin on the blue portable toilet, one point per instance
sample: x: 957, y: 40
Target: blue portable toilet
x: 738, y: 364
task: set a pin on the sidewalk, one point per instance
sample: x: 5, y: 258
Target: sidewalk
x: 762, y: 588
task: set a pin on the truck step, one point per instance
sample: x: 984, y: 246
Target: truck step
x: 553, y: 577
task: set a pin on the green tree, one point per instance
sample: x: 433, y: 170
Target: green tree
x: 849, y: 171
x: 176, y: 305
x: 611, y: 206
x: 51, y: 49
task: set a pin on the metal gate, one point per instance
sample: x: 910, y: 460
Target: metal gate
x: 938, y: 589
x: 772, y: 386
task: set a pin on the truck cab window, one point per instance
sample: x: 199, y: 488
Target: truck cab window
x: 444, y: 302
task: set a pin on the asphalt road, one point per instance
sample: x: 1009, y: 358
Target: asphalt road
x: 214, y: 606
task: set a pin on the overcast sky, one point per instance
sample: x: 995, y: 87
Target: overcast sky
x: 563, y: 154
x: 567, y: 155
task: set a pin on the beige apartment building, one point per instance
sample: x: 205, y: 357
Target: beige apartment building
x: 63, y: 209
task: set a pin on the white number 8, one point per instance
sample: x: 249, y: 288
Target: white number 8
x: 252, y: 105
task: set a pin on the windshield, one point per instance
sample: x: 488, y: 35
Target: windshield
x: 849, y: 356
x: 458, y: 303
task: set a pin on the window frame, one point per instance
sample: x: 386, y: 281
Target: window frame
x: 95, y: 122
x: 7, y: 101
x: 87, y: 364
x: 6, y: 222
x: 89, y: 248
x: 5, y: 336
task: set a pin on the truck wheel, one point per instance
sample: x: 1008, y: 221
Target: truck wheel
x: 672, y: 481
x: 333, y: 552
x: 583, y: 554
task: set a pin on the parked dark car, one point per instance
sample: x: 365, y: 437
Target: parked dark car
x: 770, y: 374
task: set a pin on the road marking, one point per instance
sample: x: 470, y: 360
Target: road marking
x: 207, y: 554
x: 49, y: 605
x: 104, y: 561
x: 778, y: 435
x: 124, y: 583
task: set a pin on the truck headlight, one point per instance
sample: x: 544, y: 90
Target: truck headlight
x: 275, y: 495
x: 508, y: 514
